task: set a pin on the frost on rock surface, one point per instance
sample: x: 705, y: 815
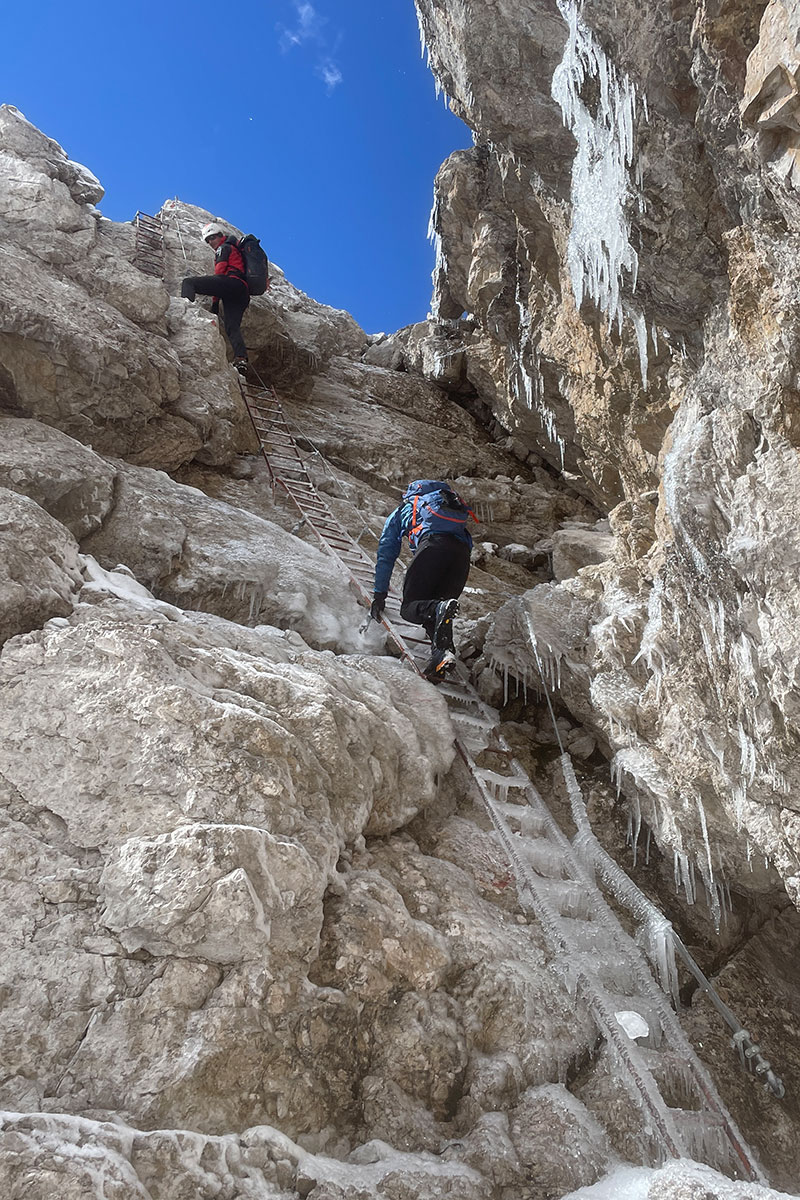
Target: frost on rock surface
x: 198, y: 552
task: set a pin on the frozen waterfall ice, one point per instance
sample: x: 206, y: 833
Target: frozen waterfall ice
x: 600, y: 249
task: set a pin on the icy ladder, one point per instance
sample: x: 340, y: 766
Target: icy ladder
x: 682, y: 1115
x: 148, y: 254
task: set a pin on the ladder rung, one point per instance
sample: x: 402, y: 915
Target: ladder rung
x: 275, y: 433
x: 331, y: 527
x: 321, y: 510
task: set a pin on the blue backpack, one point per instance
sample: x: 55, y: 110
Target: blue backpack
x: 435, y: 509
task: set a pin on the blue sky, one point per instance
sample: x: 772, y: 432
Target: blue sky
x: 313, y: 125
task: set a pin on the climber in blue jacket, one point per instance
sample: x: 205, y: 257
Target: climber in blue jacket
x: 434, y: 519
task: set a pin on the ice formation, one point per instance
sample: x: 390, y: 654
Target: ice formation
x: 599, y: 249
x: 440, y: 263
x: 640, y: 328
x: 525, y: 374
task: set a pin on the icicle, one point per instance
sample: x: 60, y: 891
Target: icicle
x: 708, y: 873
x: 423, y: 41
x: 661, y: 951
x: 637, y: 828
x: 682, y: 874
x: 599, y: 247
x: 640, y: 329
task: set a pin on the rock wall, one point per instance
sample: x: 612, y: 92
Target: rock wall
x: 623, y: 241
x: 259, y: 939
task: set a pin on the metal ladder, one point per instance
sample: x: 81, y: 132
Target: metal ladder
x: 682, y: 1114
x: 148, y: 253
x: 287, y: 471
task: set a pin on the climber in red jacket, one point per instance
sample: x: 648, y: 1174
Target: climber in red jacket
x: 228, y: 284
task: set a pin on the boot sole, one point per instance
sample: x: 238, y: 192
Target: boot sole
x: 445, y: 623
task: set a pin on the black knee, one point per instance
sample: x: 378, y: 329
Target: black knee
x: 187, y: 289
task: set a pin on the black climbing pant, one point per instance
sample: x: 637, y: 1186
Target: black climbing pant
x: 234, y: 296
x: 438, y: 571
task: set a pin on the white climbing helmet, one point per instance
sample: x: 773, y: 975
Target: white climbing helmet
x: 212, y: 229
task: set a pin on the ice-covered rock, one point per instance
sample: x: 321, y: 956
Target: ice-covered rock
x: 669, y: 393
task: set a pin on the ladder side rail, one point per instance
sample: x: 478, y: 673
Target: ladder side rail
x: 630, y: 895
x: 586, y: 851
x: 671, y: 1026
x: 646, y: 1089
x: 638, y: 1077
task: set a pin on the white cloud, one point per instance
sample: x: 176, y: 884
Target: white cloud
x: 330, y: 74
x: 310, y: 29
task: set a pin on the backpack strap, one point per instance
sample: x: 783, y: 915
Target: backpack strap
x: 416, y: 526
x: 469, y: 510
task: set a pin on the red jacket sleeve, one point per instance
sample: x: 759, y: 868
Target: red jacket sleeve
x: 228, y: 261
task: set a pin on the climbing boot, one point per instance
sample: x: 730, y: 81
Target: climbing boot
x: 443, y: 628
x: 441, y: 664
x: 241, y: 365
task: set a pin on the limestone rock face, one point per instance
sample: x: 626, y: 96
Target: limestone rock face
x: 201, y: 553
x: 628, y: 271
x: 261, y: 939
x: 39, y: 568
x: 63, y: 476
x: 25, y: 141
x: 393, y: 427
x: 771, y: 101
x: 85, y: 339
x: 173, y: 908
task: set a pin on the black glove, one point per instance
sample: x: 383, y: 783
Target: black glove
x: 215, y: 307
x: 378, y: 605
